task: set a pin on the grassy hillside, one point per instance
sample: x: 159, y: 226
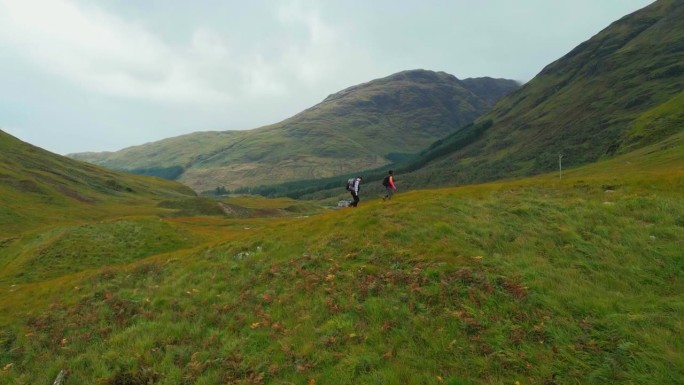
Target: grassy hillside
x: 619, y: 91
x: 361, y: 127
x: 37, y: 186
x: 536, y: 281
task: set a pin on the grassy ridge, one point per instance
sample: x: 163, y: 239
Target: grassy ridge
x: 539, y: 280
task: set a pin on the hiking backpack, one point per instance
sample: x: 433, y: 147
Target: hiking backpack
x: 350, y: 184
x: 385, y: 182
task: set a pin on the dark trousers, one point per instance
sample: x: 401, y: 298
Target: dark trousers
x: 356, y: 199
x: 390, y: 192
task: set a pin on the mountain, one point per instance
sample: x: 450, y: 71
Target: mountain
x: 619, y: 91
x: 361, y: 127
x: 37, y: 186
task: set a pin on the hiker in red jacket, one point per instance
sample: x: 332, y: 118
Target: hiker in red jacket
x: 388, y: 182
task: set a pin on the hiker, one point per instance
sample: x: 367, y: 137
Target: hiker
x: 390, y: 187
x: 354, y: 190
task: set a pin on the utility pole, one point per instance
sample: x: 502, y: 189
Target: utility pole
x: 560, y: 166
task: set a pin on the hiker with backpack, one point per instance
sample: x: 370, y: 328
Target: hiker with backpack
x: 390, y: 187
x: 354, y: 186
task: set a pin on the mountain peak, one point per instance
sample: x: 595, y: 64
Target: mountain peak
x: 421, y: 75
x: 418, y: 76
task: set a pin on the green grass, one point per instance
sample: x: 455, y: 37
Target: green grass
x: 194, y: 206
x: 71, y: 249
x: 657, y: 123
x: 541, y: 281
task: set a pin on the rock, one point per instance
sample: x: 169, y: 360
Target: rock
x: 60, y: 378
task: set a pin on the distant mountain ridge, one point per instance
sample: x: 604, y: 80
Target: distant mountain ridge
x: 361, y: 127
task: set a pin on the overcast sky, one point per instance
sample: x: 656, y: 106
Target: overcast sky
x: 102, y: 75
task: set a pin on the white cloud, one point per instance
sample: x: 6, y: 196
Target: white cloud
x: 307, y: 51
x: 108, y: 55
x: 318, y: 55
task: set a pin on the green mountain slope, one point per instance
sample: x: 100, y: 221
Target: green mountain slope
x: 37, y: 186
x: 619, y: 91
x: 536, y: 281
x: 59, y: 216
x: 361, y: 127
